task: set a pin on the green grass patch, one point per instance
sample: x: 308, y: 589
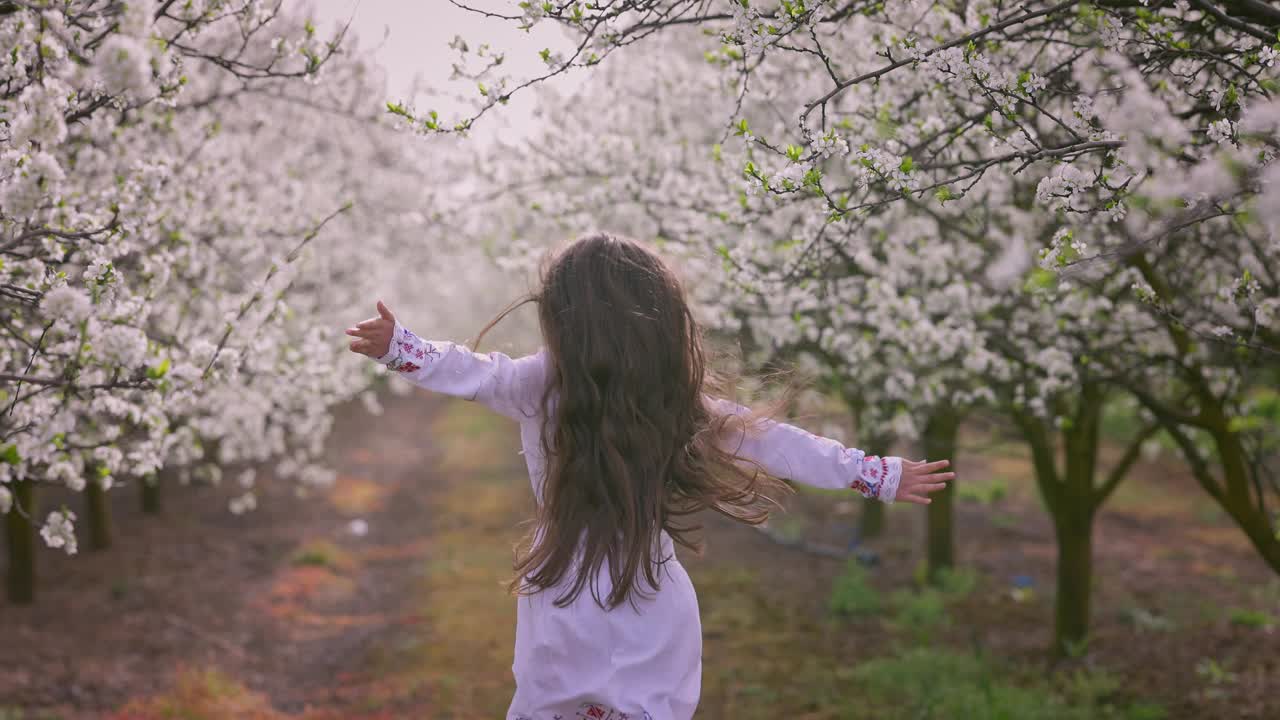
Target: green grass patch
x: 203, y: 694
x: 17, y: 713
x: 460, y: 654
x: 956, y: 583
x: 941, y: 684
x: 989, y: 492
x: 852, y: 594
x: 321, y: 553
x: 1251, y: 618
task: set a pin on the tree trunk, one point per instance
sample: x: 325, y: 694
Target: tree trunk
x: 20, y: 534
x: 1073, y: 512
x: 1239, y: 502
x: 99, y: 516
x: 1075, y: 579
x: 1246, y: 507
x: 150, y: 487
x: 940, y: 444
x: 872, y: 521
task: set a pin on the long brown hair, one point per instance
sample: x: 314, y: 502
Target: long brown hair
x: 631, y: 447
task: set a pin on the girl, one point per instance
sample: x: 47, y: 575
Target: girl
x: 623, y: 440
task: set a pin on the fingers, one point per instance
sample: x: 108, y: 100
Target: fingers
x: 934, y: 477
x: 913, y: 499
x: 363, y: 332
x: 385, y: 313
x: 928, y: 467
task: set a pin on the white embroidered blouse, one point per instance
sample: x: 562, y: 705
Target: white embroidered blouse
x: 628, y: 663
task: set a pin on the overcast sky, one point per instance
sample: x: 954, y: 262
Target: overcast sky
x: 411, y: 40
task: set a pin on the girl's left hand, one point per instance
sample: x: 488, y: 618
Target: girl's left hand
x: 919, y: 478
x: 374, y: 335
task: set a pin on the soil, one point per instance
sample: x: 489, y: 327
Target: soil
x: 295, y: 609
x: 285, y: 598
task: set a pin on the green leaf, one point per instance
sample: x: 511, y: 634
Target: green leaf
x: 156, y: 372
x: 10, y: 454
x: 1246, y: 423
x: 1039, y: 279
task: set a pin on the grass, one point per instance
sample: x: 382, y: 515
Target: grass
x: 201, y: 694
x: 943, y: 684
x: 873, y: 654
x: 17, y: 713
x: 988, y: 492
x: 1251, y: 618
x: 766, y: 654
x: 460, y: 652
x: 321, y: 553
x: 852, y: 593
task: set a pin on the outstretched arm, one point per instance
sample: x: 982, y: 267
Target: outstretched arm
x: 511, y: 387
x: 788, y: 452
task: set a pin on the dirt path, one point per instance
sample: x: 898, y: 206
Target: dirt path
x: 279, y: 609
x: 284, y: 613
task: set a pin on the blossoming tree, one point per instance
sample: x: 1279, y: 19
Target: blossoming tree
x: 1050, y: 204
x: 189, y: 196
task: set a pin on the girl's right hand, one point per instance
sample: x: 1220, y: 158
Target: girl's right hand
x: 920, y: 477
x: 374, y: 334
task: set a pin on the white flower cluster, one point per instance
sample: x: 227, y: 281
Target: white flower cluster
x: 1066, y: 189
x: 748, y: 30
x: 971, y: 247
x: 872, y: 164
x: 142, y: 241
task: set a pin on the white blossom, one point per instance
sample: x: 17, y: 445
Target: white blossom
x: 59, y: 531
x: 66, y: 303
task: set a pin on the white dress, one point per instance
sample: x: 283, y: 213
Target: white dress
x: 631, y: 662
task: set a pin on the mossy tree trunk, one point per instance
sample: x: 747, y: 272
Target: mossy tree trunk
x: 1075, y: 580
x: 875, y: 441
x: 20, y: 536
x: 151, y: 492
x: 1233, y: 479
x: 1235, y: 487
x: 871, y: 523
x: 1072, y: 497
x: 97, y: 515
x: 939, y: 441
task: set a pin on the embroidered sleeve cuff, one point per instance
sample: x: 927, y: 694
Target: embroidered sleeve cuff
x: 409, y: 353
x: 879, y: 478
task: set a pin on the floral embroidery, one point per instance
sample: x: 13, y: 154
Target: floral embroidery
x: 412, y: 352
x: 398, y: 364
x: 420, y: 350
x: 596, y: 711
x: 876, y: 476
x: 862, y: 487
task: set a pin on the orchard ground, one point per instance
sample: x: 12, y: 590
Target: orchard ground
x: 284, y: 613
